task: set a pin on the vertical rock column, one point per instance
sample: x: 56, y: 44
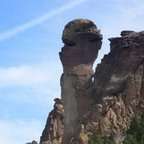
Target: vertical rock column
x: 82, y: 41
x: 54, y: 128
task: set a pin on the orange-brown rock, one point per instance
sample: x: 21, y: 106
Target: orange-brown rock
x: 54, y: 129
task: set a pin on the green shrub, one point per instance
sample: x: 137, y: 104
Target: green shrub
x: 135, y: 134
x: 130, y: 140
x: 97, y: 139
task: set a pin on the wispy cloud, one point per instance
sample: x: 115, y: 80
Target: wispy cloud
x: 39, y: 82
x: 21, y: 28
x: 30, y: 75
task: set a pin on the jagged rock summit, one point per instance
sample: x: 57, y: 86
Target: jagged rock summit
x: 105, y: 101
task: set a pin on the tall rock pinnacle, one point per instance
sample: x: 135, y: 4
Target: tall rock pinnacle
x: 82, y: 42
x: 53, y: 131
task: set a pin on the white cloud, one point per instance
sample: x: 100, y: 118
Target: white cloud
x: 42, y: 79
x: 38, y: 82
x: 19, y: 131
x: 30, y: 75
x: 8, y: 34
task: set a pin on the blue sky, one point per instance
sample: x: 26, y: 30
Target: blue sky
x: 30, y: 69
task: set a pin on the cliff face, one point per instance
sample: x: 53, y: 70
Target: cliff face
x: 101, y: 102
x: 118, y: 82
x: 53, y: 132
x: 107, y: 104
x: 118, y: 88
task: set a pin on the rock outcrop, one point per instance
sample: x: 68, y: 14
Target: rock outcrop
x: 101, y: 102
x: 54, y: 129
x: 107, y: 104
x: 118, y: 89
x: 82, y: 42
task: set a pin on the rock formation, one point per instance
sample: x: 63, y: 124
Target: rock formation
x: 118, y: 89
x: 101, y: 102
x: 53, y: 132
x: 108, y: 103
x: 118, y: 83
x: 82, y: 41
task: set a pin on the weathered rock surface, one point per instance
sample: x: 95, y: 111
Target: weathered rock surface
x: 103, y: 101
x: 118, y: 89
x: 54, y: 129
x: 121, y: 71
x: 82, y: 41
x: 116, y: 95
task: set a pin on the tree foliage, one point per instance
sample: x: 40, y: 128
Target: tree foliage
x: 135, y: 134
x: 97, y: 139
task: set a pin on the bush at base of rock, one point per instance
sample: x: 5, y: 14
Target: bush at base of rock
x: 135, y: 134
x: 97, y: 139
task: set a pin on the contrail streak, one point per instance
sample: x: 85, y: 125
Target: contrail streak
x: 21, y: 28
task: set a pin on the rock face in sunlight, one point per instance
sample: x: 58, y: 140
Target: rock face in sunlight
x: 97, y: 105
x: 54, y: 129
x: 82, y: 42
